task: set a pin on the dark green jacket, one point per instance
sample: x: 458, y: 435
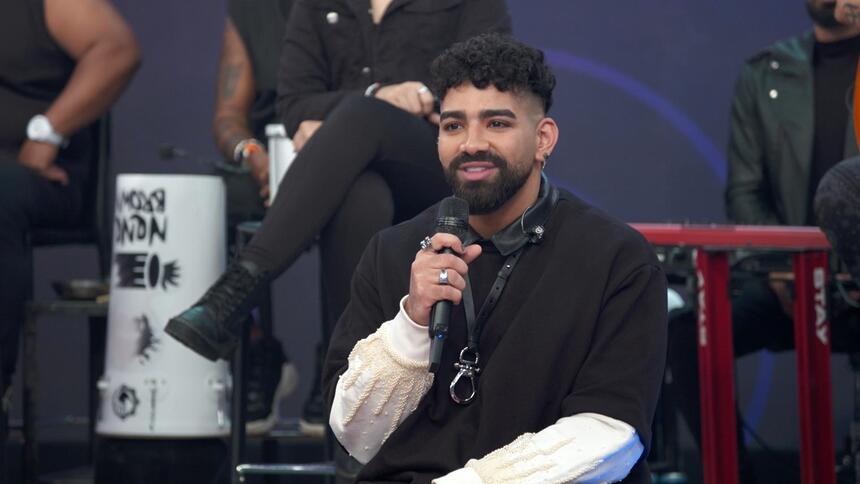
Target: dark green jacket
x: 770, y: 142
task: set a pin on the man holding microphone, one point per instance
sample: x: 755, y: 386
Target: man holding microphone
x: 552, y: 363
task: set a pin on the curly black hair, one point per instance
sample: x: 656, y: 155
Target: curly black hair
x: 495, y: 59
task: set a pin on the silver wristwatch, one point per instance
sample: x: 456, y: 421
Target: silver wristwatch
x: 39, y: 129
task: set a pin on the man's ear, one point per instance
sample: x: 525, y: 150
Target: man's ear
x: 547, y: 137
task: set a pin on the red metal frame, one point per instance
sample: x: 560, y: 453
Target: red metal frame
x: 716, y: 379
x: 735, y: 236
x: 716, y: 355
x: 812, y: 342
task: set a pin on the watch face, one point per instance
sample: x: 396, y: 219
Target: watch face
x: 39, y: 128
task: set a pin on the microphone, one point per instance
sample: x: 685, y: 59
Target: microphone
x: 452, y: 218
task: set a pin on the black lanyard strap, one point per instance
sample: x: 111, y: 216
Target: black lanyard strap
x: 511, y: 241
x: 467, y: 365
x: 474, y: 323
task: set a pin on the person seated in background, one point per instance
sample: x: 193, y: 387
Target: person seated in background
x: 352, y: 95
x: 789, y: 125
x: 62, y: 65
x: 558, y: 374
x: 244, y: 105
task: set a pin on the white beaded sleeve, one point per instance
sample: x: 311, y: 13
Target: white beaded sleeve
x: 386, y: 378
x: 583, y: 448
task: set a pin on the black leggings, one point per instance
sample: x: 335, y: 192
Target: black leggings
x: 27, y: 202
x: 368, y: 166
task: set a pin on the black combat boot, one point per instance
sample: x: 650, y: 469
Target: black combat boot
x: 212, y: 326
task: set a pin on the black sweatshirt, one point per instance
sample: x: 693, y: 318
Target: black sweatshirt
x: 580, y: 327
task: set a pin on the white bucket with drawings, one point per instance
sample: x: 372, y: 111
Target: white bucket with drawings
x: 281, y: 156
x: 168, y: 248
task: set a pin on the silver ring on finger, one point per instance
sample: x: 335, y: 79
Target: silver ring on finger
x: 443, y: 277
x: 423, y: 89
x: 426, y: 243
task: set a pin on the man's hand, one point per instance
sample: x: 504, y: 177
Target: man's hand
x: 411, y: 96
x: 258, y: 163
x: 307, y: 128
x: 848, y: 12
x: 40, y: 158
x: 424, y: 287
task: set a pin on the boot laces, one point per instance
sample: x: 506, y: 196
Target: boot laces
x: 234, y: 287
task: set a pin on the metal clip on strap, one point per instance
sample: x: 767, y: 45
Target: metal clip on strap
x: 468, y: 369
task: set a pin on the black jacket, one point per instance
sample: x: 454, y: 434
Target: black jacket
x: 770, y: 145
x: 332, y: 48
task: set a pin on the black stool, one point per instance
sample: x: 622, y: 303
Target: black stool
x: 96, y: 312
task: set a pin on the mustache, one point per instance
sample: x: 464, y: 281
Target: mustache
x: 493, y: 158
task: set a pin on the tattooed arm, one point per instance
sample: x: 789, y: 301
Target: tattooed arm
x: 235, y: 94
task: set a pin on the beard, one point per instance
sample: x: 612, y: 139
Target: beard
x: 486, y: 196
x: 822, y: 13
